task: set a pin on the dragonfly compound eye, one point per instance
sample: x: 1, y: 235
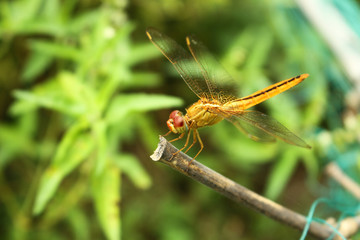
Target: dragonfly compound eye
x: 176, y: 122
x: 175, y: 113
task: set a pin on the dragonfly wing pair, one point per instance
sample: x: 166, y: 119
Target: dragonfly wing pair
x: 261, y: 127
x: 200, y: 70
x: 210, y: 81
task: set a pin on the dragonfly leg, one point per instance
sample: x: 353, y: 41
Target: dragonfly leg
x: 180, y: 137
x: 201, y: 145
x: 166, y: 134
x: 186, y: 143
x: 194, y: 141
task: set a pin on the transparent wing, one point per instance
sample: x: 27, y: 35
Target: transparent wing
x: 251, y: 131
x: 182, y: 61
x: 261, y: 127
x: 221, y: 85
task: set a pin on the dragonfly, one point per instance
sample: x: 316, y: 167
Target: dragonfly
x: 216, y: 90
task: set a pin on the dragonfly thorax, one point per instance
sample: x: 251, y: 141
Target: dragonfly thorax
x: 176, y: 122
x: 203, y: 113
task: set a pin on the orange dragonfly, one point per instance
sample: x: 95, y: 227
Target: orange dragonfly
x: 216, y: 90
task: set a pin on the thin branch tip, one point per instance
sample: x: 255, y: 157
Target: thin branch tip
x: 159, y: 151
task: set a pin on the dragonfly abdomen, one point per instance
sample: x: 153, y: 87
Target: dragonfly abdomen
x: 266, y: 93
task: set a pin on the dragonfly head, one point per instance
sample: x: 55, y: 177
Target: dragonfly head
x: 176, y: 122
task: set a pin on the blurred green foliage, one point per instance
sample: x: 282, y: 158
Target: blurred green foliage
x: 75, y: 78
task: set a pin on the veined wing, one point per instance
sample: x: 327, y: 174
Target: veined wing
x: 181, y: 60
x: 261, y: 127
x: 221, y: 85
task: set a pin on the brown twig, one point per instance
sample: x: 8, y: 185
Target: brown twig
x: 234, y: 191
x: 333, y: 171
x: 349, y: 226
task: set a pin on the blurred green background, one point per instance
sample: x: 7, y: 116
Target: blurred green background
x: 84, y: 96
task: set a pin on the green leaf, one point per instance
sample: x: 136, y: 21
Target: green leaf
x: 56, y: 49
x: 241, y: 149
x: 16, y: 14
x: 30, y: 101
x: 73, y: 88
x: 133, y: 169
x: 143, y: 79
x: 281, y: 173
x: 106, y: 191
x: 63, y: 94
x: 149, y: 137
x: 36, y: 65
x: 143, y: 52
x: 311, y: 164
x: 140, y: 102
x: 99, y: 131
x: 263, y: 43
x: 79, y: 223
x: 84, y: 20
x: 73, y: 149
x: 49, y: 183
x: 13, y: 141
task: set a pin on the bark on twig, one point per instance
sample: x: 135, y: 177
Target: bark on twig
x: 334, y: 171
x: 234, y: 191
x: 349, y: 226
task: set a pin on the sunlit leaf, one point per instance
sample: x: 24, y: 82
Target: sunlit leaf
x: 54, y: 94
x: 73, y: 88
x: 51, y: 101
x: 133, y: 169
x: 140, y: 102
x: 100, y: 138
x: 56, y: 49
x: 106, y: 188
x: 73, y: 149
x: 13, y: 141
